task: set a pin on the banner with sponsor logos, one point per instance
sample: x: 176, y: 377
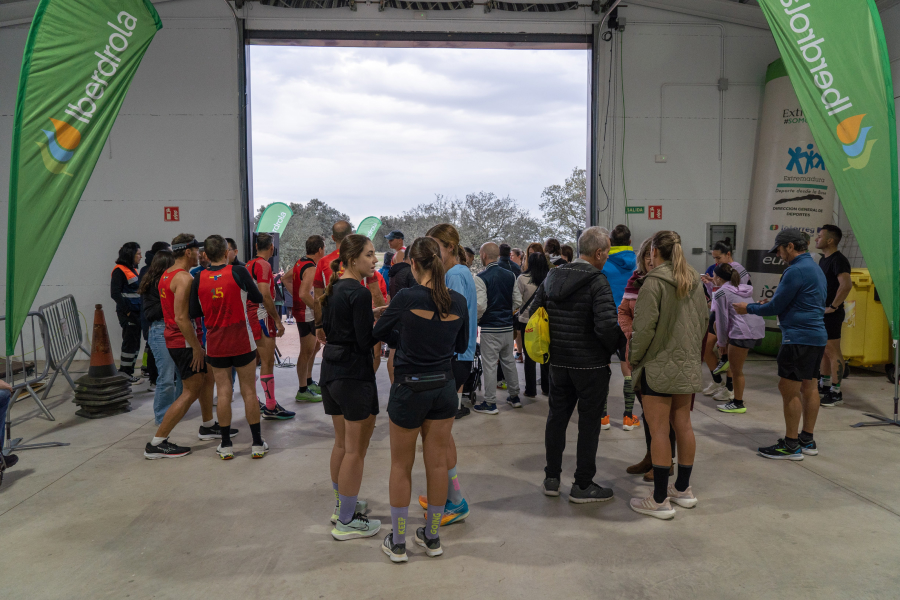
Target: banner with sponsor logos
x: 836, y: 56
x: 80, y: 58
x: 791, y: 187
x: 275, y: 218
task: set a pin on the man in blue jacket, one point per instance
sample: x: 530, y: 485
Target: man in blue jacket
x: 618, y: 269
x: 799, y: 303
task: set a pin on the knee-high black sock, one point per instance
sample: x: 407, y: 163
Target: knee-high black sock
x: 660, y: 483
x: 729, y: 384
x: 226, y: 435
x: 717, y: 377
x: 684, y: 477
x: 672, y: 442
x: 647, y: 435
x: 257, y: 436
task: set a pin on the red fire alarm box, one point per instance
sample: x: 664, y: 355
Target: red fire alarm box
x: 172, y: 213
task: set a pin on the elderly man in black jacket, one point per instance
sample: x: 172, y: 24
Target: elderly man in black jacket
x: 584, y: 333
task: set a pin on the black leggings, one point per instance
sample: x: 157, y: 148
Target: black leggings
x: 647, y: 428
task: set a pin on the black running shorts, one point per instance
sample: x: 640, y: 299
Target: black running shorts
x: 712, y: 323
x: 409, y: 409
x: 646, y: 390
x: 461, y: 371
x: 798, y: 362
x: 183, y: 358
x: 833, y: 323
x: 353, y: 399
x: 749, y: 344
x: 306, y: 329
x: 227, y: 362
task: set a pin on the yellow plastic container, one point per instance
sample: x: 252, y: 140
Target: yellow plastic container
x: 865, y: 334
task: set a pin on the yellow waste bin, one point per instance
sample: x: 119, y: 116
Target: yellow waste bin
x: 865, y: 334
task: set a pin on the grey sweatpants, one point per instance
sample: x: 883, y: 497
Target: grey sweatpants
x: 496, y: 346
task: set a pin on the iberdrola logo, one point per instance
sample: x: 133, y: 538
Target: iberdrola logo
x: 60, y: 146
x: 853, y: 135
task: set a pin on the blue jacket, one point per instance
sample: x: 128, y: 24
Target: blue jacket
x: 499, y: 283
x: 618, y: 269
x: 507, y: 263
x: 799, y: 303
x: 459, y: 279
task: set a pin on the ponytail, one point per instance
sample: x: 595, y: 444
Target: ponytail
x: 351, y: 247
x: 427, y: 255
x: 669, y: 245
x: 728, y: 273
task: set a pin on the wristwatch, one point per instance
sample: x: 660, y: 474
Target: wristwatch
x: 832, y: 307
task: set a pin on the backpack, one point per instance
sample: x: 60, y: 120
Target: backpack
x: 537, y: 336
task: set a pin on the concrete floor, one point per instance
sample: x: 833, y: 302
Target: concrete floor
x: 95, y: 520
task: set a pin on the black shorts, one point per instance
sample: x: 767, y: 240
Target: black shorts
x: 183, y: 358
x: 409, y: 409
x: 350, y: 398
x: 712, y: 323
x: 798, y: 362
x: 227, y: 362
x: 833, y: 324
x: 306, y: 329
x: 461, y: 371
x: 745, y: 343
x: 646, y: 390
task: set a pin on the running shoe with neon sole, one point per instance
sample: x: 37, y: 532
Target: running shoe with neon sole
x: 225, y: 452
x: 359, y: 527
x: 453, y: 513
x: 722, y: 367
x: 732, y: 407
x: 165, y: 449
x: 362, y: 507
x: 277, y: 414
x: 604, y: 422
x: 724, y: 395
x: 647, y: 506
x: 315, y: 388
x: 432, y: 546
x: 781, y: 452
x: 501, y: 385
x: 713, y: 388
x: 307, y: 396
x: 685, y: 499
x: 629, y: 423
x: 259, y: 451
x: 396, y: 552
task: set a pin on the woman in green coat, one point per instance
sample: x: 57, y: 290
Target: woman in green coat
x: 670, y: 319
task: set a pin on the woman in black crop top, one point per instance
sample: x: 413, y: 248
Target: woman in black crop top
x: 428, y: 323
x: 348, y: 381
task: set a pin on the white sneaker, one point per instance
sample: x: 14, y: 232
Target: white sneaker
x: 259, y: 451
x: 712, y: 388
x: 225, y: 452
x: 724, y: 395
x: 685, y: 499
x: 647, y: 506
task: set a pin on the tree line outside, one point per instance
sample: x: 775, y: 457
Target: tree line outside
x: 480, y: 217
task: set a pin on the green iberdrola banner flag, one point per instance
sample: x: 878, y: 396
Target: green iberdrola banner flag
x: 837, y: 59
x: 80, y: 58
x: 369, y: 227
x: 275, y: 218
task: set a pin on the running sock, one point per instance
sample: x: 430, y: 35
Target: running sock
x: 226, y: 434
x: 805, y: 438
x: 454, y: 493
x: 458, y: 400
x: 398, y: 521
x: 309, y: 381
x: 825, y: 381
x: 628, y: 392
x: 729, y: 384
x: 683, y: 481
x: 672, y: 442
x: 836, y: 387
x: 433, y: 524
x: 268, y: 385
x: 348, y: 507
x: 660, y: 483
x: 791, y: 443
x: 717, y: 377
x: 738, y: 403
x: 303, y: 390
x: 336, y: 497
x: 209, y: 423
x: 257, y: 436
x: 157, y: 441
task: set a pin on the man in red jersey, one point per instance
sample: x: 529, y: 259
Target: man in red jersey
x: 266, y: 324
x: 184, y: 346
x: 219, y: 294
x: 300, y: 281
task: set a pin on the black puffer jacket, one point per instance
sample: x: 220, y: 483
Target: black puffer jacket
x: 584, y: 327
x: 400, y: 277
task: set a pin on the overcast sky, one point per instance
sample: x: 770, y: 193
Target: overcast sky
x: 374, y: 131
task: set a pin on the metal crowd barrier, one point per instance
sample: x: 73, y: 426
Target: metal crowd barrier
x: 64, y: 337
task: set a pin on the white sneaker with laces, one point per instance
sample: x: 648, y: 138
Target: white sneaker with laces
x: 724, y: 395
x: 647, y: 506
x: 712, y: 388
x: 684, y: 499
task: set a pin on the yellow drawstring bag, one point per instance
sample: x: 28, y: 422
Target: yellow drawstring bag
x: 537, y: 337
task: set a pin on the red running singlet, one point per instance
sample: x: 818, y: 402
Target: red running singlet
x: 224, y: 306
x: 172, y: 334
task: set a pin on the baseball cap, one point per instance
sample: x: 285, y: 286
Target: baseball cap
x: 394, y: 235
x: 788, y: 236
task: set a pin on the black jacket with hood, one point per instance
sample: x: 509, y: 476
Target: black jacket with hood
x: 400, y: 277
x: 584, y: 327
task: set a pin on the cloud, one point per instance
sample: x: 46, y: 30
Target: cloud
x: 378, y: 130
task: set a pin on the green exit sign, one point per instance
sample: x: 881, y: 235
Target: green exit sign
x: 634, y: 210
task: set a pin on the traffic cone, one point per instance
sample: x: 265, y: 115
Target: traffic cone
x: 104, y: 391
